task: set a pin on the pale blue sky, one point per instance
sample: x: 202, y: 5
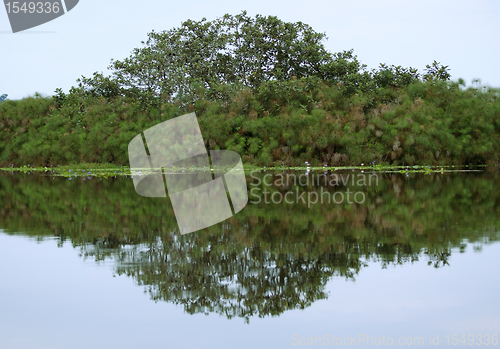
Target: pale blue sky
x: 458, y: 33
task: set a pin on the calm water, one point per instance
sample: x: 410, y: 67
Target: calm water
x: 408, y: 260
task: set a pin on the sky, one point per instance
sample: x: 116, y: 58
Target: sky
x: 461, y: 34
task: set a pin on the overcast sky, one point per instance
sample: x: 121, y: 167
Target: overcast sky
x: 461, y: 34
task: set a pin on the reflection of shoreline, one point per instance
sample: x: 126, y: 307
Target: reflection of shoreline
x: 265, y: 260
x: 433, y: 211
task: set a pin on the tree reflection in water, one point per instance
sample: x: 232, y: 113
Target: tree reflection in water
x: 267, y: 259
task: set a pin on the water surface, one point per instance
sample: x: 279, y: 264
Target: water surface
x: 89, y: 263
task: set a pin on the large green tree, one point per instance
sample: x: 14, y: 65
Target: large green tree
x: 209, y: 54
x: 209, y: 59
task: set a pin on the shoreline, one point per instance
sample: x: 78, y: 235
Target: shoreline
x: 107, y: 170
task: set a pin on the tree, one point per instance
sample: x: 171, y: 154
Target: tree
x: 3, y: 97
x: 436, y: 72
x: 394, y: 76
x: 209, y: 54
x: 345, y: 70
x: 211, y: 59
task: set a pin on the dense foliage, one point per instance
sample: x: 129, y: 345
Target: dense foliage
x: 266, y: 89
x: 282, y: 123
x: 228, y: 50
x: 203, y: 57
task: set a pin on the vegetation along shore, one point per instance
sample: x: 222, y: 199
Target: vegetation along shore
x: 266, y: 89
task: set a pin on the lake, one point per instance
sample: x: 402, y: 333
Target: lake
x: 404, y: 259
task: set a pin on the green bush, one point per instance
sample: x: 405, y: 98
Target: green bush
x: 426, y: 123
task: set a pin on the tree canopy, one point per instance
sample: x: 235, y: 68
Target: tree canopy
x: 208, y: 56
x: 230, y: 49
